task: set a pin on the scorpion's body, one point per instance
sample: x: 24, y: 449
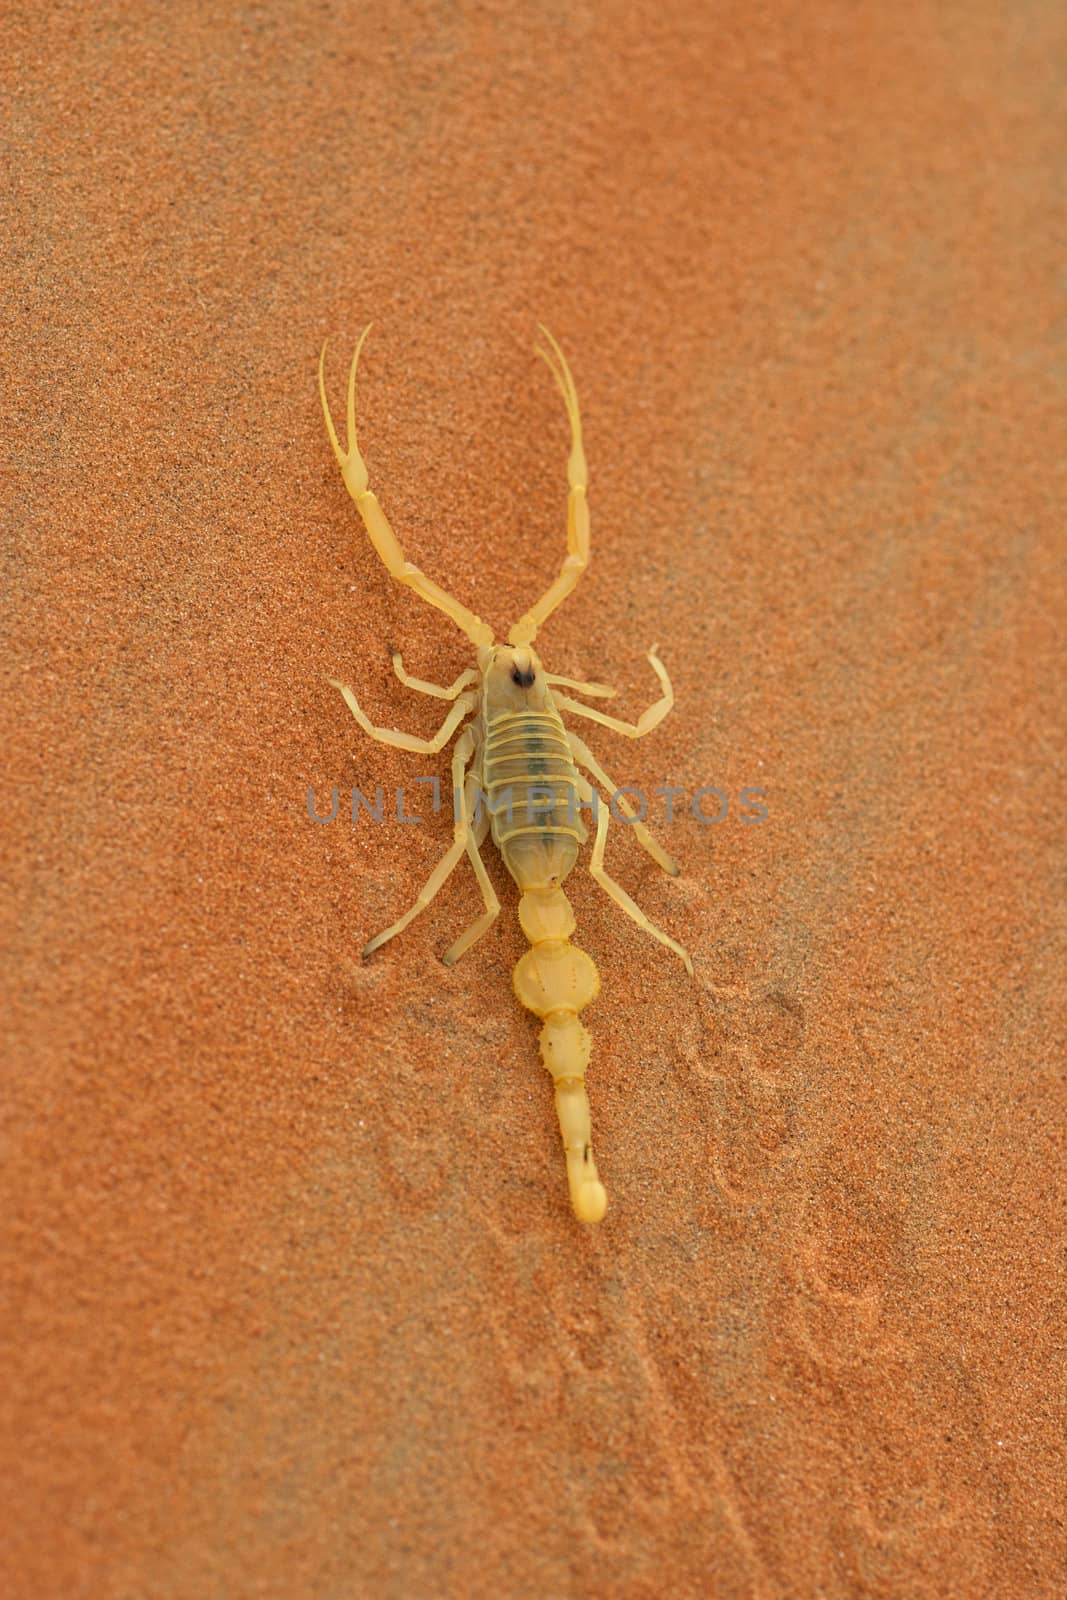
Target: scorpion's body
x: 529, y: 777
x: 517, y: 754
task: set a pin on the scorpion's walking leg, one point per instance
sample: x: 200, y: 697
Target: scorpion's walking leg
x: 646, y: 721
x: 598, y: 691
x: 408, y: 741
x: 585, y: 758
x: 619, y: 895
x: 354, y: 471
x: 466, y: 678
x: 577, y: 557
x: 460, y: 757
x: 476, y: 833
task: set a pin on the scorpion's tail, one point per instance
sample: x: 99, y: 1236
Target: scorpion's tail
x: 555, y: 980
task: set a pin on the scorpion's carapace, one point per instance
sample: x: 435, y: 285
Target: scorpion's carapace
x: 517, y: 768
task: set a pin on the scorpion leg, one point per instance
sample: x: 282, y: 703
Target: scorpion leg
x: 475, y: 838
x: 440, y: 874
x: 619, y: 895
x: 409, y: 741
x: 577, y: 558
x: 598, y: 691
x: 465, y: 679
x: 354, y: 472
x: 585, y: 758
x: 646, y: 721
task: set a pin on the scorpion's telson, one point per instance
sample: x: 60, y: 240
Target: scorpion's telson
x: 517, y: 752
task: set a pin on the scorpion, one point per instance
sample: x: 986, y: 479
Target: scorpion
x: 517, y: 748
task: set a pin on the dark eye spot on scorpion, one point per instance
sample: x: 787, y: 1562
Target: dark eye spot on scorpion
x: 523, y: 679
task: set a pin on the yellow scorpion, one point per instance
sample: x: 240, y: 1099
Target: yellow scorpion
x: 517, y: 754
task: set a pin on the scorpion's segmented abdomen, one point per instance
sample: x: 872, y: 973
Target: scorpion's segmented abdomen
x: 531, y: 786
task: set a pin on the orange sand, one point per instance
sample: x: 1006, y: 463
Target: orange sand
x: 295, y: 1305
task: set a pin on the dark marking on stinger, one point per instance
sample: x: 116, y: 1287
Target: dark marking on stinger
x: 523, y: 679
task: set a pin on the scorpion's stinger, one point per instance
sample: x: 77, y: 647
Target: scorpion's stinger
x: 354, y: 471
x: 555, y: 980
x: 577, y: 558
